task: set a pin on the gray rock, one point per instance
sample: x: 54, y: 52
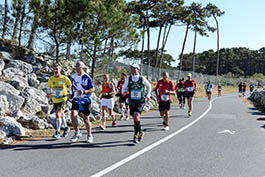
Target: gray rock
x: 19, y: 82
x: 6, y: 56
x: 12, y: 72
x: 32, y: 122
x: 26, y: 68
x: 2, y: 135
x: 11, y: 127
x: 2, y: 65
x: 10, y: 101
x: 32, y: 80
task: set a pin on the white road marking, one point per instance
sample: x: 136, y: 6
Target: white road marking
x: 228, y: 131
x: 148, y: 148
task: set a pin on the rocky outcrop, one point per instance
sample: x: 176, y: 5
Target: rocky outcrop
x: 258, y: 96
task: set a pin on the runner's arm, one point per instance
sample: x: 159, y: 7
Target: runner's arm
x: 148, y: 86
x: 124, y: 87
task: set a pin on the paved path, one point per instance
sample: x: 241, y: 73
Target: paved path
x: 224, y: 138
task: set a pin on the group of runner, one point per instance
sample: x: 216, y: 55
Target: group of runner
x: 133, y: 92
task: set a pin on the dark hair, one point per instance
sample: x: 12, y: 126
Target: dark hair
x: 123, y: 74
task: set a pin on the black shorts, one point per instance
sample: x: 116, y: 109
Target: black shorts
x: 138, y: 107
x: 209, y: 93
x: 59, y: 105
x: 180, y: 94
x: 189, y: 94
x: 123, y: 100
x: 86, y: 107
x: 164, y: 106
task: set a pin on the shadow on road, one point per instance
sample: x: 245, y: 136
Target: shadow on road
x: 80, y: 144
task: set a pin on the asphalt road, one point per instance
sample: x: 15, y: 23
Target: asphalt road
x: 223, y: 138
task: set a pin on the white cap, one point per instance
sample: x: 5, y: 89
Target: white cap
x: 81, y: 64
x: 135, y: 66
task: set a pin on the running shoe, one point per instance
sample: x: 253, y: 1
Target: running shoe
x: 114, y: 122
x: 189, y: 113
x: 66, y: 131
x: 135, y: 139
x: 76, y: 136
x: 122, y: 117
x: 102, y: 127
x: 127, y: 118
x: 166, y: 128
x: 141, y: 136
x: 56, y: 135
x: 89, y: 139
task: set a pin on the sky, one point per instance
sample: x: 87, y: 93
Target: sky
x: 242, y: 25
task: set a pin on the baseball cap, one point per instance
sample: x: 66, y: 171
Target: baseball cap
x: 135, y: 66
x: 189, y: 74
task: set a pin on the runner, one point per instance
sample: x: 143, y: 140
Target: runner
x: 209, y: 90
x: 190, y: 88
x: 240, y: 89
x: 57, y: 90
x: 123, y: 99
x: 244, y: 89
x: 82, y: 89
x: 164, y: 88
x: 219, y: 90
x: 136, y: 85
x: 181, y: 93
x: 107, y: 101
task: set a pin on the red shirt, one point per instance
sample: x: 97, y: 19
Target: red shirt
x: 162, y: 86
x: 107, y: 87
x: 190, y: 85
x: 120, y: 84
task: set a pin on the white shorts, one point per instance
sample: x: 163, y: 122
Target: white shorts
x: 109, y: 103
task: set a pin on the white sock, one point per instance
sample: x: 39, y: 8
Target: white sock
x: 64, y: 122
x: 122, y: 112
x: 127, y: 112
x: 58, y: 124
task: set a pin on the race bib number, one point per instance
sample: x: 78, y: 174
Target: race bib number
x: 164, y: 97
x: 181, y: 90
x: 189, y: 89
x: 209, y: 90
x: 58, y: 93
x: 136, y: 95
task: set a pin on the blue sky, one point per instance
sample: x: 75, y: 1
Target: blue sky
x: 242, y: 25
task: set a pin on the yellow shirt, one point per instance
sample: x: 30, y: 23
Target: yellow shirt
x: 58, y: 86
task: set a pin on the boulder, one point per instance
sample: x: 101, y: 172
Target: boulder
x: 6, y: 56
x: 32, y: 122
x: 11, y: 127
x: 25, y: 67
x: 32, y: 80
x: 19, y: 82
x: 12, y: 72
x: 2, y: 65
x: 10, y: 101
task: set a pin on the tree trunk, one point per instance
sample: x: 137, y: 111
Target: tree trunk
x: 218, y: 52
x: 33, y: 31
x: 163, y: 47
x: 182, y: 51
x: 94, y: 60
x: 157, y: 46
x: 5, y: 20
x: 55, y: 35
x: 68, y: 50
x: 17, y: 17
x: 142, y: 52
x: 194, y: 46
x: 148, y: 45
x: 21, y: 24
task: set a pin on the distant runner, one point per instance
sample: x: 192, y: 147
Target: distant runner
x: 244, y: 89
x: 164, y: 88
x: 124, y: 99
x: 57, y: 90
x: 107, y: 101
x: 251, y: 88
x: 136, y: 85
x: 190, y: 88
x: 219, y: 90
x: 181, y: 93
x: 240, y: 85
x: 209, y: 90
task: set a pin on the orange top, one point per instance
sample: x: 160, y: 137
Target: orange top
x: 107, y: 87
